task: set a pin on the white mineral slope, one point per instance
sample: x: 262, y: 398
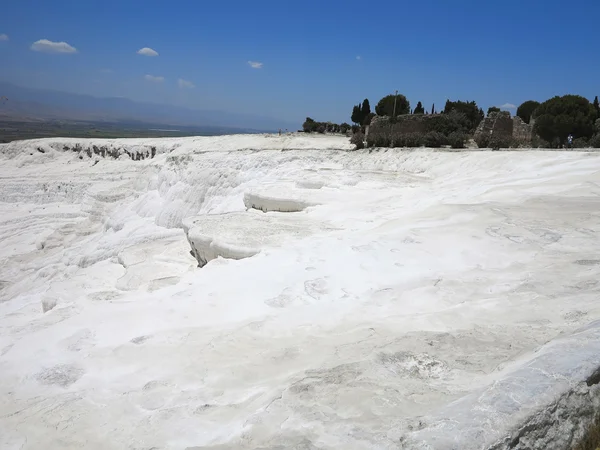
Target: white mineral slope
x: 437, y: 276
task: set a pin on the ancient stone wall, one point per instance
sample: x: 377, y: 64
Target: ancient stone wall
x: 522, y: 132
x: 500, y: 126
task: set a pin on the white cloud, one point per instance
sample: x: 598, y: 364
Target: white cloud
x: 255, y: 64
x: 185, y: 84
x: 358, y: 58
x: 154, y: 79
x: 3, y: 37
x: 508, y: 106
x: 146, y: 51
x: 46, y: 46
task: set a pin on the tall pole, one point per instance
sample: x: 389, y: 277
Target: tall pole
x: 395, y: 98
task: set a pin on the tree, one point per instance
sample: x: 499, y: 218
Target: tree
x: 419, y: 109
x: 492, y: 109
x: 356, y: 114
x: 526, y: 110
x: 433, y: 109
x: 367, y: 120
x: 597, y: 107
x: 344, y: 127
x: 365, y: 110
x: 309, y: 125
x: 469, y: 109
x: 385, y: 106
x: 558, y: 117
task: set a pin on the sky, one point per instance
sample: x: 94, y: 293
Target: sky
x: 317, y: 58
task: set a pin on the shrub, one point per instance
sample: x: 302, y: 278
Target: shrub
x: 538, y: 142
x: 378, y: 140
x: 595, y: 141
x: 482, y: 140
x: 580, y: 142
x: 450, y: 123
x: 457, y: 139
x: 358, y: 139
x: 408, y: 140
x: 498, y: 142
x: 435, y: 139
x: 472, y: 113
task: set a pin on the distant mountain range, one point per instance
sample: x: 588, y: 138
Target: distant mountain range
x: 43, y: 104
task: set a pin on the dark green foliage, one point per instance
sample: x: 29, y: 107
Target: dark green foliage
x: 368, y: 118
x: 355, y: 129
x: 385, y: 106
x: 365, y: 111
x: 379, y: 140
x: 483, y: 140
x: 449, y: 123
x: 597, y: 107
x: 457, y: 139
x: 435, y: 139
x: 356, y: 114
x: 419, y: 109
x: 595, y: 141
x: 409, y: 140
x: 309, y: 125
x: 526, y: 110
x: 433, y: 109
x: 358, y: 139
x: 473, y: 114
x: 492, y: 109
x: 361, y: 113
x: 581, y: 143
x: 558, y: 117
x: 538, y: 142
x: 498, y: 142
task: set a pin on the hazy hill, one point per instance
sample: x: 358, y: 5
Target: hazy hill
x: 48, y: 104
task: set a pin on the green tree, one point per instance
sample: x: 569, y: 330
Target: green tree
x: 419, y: 109
x: 473, y: 114
x: 356, y: 114
x: 597, y: 107
x: 526, y: 109
x: 310, y: 125
x: 433, y: 109
x: 492, y: 109
x: 365, y: 110
x: 385, y: 106
x: 558, y: 117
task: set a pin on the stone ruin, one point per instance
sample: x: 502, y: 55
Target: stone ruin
x: 497, y: 127
x: 501, y: 126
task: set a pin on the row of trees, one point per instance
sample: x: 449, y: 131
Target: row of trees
x: 553, y: 120
x: 312, y: 126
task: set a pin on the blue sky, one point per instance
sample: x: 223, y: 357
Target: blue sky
x: 318, y: 58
